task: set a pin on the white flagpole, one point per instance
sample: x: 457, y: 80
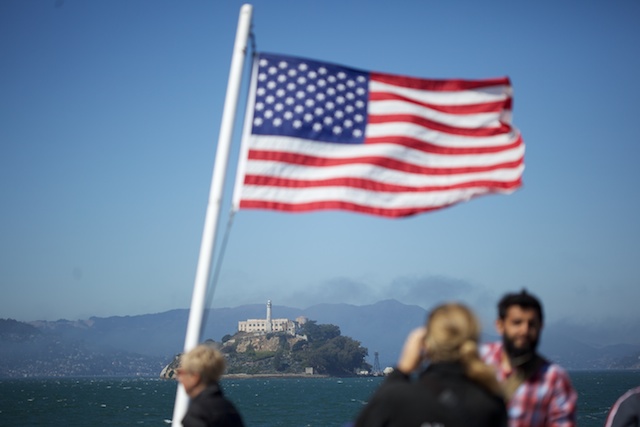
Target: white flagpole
x: 203, y: 271
x: 244, y: 146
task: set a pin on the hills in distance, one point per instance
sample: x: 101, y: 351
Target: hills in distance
x: 144, y: 344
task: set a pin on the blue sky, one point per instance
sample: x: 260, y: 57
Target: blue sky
x: 110, y: 113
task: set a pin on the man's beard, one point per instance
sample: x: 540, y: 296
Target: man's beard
x: 519, y: 355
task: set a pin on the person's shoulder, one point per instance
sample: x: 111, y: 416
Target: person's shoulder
x: 554, y: 369
x: 630, y: 397
x: 213, y: 395
x: 396, y: 384
x: 625, y: 409
x: 490, y: 351
x: 557, y: 378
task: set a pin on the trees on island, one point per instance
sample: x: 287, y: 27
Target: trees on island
x: 329, y: 352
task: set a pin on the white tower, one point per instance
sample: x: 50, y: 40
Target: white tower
x: 268, y: 325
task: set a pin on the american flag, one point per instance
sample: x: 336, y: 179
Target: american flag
x: 324, y: 136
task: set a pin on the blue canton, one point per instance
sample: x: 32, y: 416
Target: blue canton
x: 309, y: 99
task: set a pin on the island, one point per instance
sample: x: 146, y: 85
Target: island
x: 284, y: 347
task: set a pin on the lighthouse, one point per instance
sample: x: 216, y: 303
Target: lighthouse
x: 268, y: 327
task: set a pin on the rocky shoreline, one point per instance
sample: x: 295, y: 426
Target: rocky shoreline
x: 241, y: 376
x: 249, y: 376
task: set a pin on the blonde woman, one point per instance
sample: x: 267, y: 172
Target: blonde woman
x: 455, y: 390
x: 199, y: 373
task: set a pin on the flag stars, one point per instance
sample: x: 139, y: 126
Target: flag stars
x: 292, y: 95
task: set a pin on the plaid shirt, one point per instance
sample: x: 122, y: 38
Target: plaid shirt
x: 546, y: 399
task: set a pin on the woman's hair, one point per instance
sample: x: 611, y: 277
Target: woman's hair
x: 453, y: 333
x: 204, y: 360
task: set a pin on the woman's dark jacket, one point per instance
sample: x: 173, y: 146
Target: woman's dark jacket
x: 211, y: 409
x: 443, y: 396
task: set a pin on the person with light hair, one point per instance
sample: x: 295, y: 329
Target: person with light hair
x: 199, y: 373
x: 456, y: 389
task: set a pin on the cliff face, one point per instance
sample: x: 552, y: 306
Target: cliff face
x: 243, y: 342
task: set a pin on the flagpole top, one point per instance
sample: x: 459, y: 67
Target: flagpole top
x: 246, y: 8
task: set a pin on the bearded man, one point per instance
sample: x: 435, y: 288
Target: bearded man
x: 539, y: 393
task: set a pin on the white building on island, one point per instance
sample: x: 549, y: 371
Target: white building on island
x: 267, y: 325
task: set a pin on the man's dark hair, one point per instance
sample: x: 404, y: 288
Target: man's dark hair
x: 522, y: 299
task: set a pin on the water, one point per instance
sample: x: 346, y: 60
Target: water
x: 276, y: 402
x: 598, y: 390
